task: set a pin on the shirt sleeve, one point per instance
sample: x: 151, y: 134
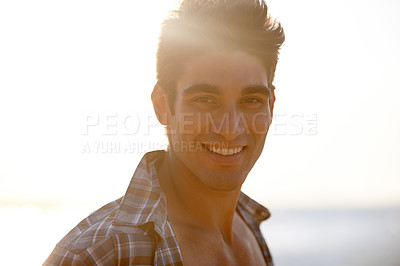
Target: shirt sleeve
x: 63, y: 256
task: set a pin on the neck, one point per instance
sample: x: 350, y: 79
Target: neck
x: 192, y: 203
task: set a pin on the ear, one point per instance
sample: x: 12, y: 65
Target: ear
x: 160, y: 104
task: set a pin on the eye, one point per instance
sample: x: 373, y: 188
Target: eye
x: 203, y: 102
x: 253, y: 100
x: 204, y: 99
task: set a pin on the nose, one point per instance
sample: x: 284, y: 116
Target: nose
x: 229, y: 122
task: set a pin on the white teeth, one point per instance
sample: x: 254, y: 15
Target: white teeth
x: 225, y: 151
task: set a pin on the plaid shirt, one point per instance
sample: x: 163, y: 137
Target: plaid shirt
x: 135, y: 230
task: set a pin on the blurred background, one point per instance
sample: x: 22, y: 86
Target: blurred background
x: 76, y: 118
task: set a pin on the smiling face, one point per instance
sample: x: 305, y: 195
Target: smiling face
x: 223, y: 110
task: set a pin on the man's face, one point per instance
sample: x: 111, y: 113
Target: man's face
x: 223, y: 110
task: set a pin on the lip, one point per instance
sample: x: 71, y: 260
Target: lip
x: 226, y: 159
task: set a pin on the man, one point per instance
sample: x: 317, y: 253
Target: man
x: 215, y: 67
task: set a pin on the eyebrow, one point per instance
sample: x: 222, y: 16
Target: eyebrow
x: 257, y: 89
x: 202, y: 88
x: 211, y: 89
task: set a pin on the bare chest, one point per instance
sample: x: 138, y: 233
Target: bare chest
x: 205, y: 248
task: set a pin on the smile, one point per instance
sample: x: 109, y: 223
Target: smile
x: 223, y: 151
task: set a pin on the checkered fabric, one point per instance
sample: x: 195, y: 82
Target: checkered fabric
x: 134, y: 230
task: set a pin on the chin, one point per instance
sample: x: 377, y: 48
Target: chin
x: 223, y: 182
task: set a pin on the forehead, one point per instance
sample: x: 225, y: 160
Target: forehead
x: 224, y: 70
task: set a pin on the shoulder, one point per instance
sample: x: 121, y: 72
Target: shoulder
x: 98, y: 239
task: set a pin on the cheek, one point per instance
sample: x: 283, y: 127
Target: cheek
x: 201, y: 123
x: 187, y: 123
x: 259, y: 123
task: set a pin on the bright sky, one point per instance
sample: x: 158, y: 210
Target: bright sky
x: 334, y: 141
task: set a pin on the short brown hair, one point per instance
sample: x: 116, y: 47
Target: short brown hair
x: 199, y: 26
